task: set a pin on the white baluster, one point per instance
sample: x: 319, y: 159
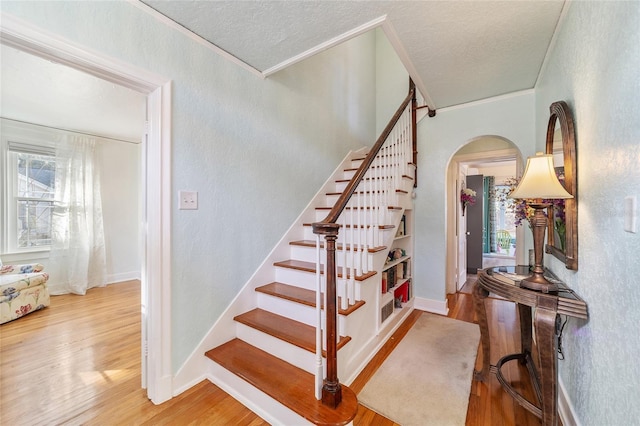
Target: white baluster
x: 319, y: 368
x: 359, y: 234
x: 345, y: 279
x: 365, y: 216
x: 352, y: 270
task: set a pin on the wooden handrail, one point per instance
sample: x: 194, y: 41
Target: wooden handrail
x: 340, y: 205
x: 331, y: 389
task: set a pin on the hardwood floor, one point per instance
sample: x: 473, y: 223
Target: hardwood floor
x: 78, y: 362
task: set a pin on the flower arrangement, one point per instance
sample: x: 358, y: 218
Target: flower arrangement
x: 519, y: 207
x: 524, y: 212
x: 467, y: 197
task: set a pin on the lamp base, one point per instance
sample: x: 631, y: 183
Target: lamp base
x: 539, y: 283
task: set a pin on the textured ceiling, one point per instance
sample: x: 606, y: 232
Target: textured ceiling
x: 457, y: 51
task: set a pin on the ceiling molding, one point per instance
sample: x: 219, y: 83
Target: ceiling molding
x: 554, y: 40
x: 327, y: 45
x: 195, y: 37
x: 488, y: 100
x: 22, y: 35
x: 391, y: 34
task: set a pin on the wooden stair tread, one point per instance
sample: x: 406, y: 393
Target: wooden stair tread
x: 301, y: 265
x: 311, y: 243
x: 302, y: 296
x: 366, y: 192
x: 349, y: 180
x: 294, y: 332
x: 361, y: 226
x: 356, y: 208
x: 287, y: 384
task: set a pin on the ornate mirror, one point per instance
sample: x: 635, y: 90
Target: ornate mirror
x: 562, y: 235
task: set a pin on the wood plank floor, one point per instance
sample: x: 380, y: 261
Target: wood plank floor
x: 78, y: 362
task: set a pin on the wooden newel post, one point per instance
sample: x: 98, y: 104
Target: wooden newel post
x: 331, y: 389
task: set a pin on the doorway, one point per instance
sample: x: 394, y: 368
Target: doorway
x: 491, y: 159
x: 156, y: 154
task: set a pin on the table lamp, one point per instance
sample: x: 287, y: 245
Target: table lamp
x: 541, y: 184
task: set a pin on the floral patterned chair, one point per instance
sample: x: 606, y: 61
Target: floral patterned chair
x: 23, y: 289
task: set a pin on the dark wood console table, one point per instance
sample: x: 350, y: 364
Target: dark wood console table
x: 546, y: 323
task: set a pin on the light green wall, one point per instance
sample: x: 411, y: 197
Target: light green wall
x: 509, y: 117
x: 595, y: 68
x: 392, y: 81
x: 484, y: 144
x: 255, y: 150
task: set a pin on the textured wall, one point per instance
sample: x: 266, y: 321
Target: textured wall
x: 594, y: 67
x: 392, y: 81
x: 439, y: 138
x: 255, y: 150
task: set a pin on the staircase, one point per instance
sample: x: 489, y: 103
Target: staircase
x: 271, y: 362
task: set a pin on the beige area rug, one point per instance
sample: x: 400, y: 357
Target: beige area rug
x: 426, y: 380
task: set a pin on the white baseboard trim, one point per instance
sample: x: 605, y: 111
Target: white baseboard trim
x: 123, y: 276
x: 178, y: 389
x: 429, y: 305
x: 566, y: 411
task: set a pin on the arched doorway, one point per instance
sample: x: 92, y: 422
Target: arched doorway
x: 496, y: 158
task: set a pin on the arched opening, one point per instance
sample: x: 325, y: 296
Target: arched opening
x: 483, y: 233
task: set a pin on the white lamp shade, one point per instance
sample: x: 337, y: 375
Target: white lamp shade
x: 540, y: 180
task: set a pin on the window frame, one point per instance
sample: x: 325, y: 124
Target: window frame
x: 18, y: 137
x: 14, y: 199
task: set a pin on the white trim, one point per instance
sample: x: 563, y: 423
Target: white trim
x: 156, y: 273
x: 554, y: 40
x: 488, y: 100
x: 326, y: 45
x: 404, y: 57
x: 194, y: 37
x: 454, y: 164
x: 430, y: 305
x: 122, y: 277
x: 497, y: 154
x: 566, y: 410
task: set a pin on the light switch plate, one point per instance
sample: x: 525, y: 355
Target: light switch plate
x: 187, y: 200
x: 630, y: 213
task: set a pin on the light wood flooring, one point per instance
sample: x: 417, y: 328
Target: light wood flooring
x: 78, y: 362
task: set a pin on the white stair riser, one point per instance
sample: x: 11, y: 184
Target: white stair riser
x: 346, y: 232
x: 355, y: 163
x: 295, y: 277
x: 348, y: 174
x: 365, y: 197
x: 257, y: 401
x: 295, y: 311
x: 292, y: 354
x: 308, y: 254
x: 382, y: 216
x: 340, y: 186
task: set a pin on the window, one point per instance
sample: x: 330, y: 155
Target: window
x: 34, y: 199
x: 30, y: 192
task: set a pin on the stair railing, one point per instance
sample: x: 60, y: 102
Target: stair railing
x: 374, y: 185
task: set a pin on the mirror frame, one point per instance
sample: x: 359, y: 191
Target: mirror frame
x: 560, y: 112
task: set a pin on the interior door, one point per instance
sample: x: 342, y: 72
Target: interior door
x: 461, y: 267
x: 474, y: 215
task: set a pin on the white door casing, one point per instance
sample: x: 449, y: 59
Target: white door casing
x: 156, y: 185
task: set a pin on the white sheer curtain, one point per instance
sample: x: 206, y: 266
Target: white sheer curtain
x: 78, y: 254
